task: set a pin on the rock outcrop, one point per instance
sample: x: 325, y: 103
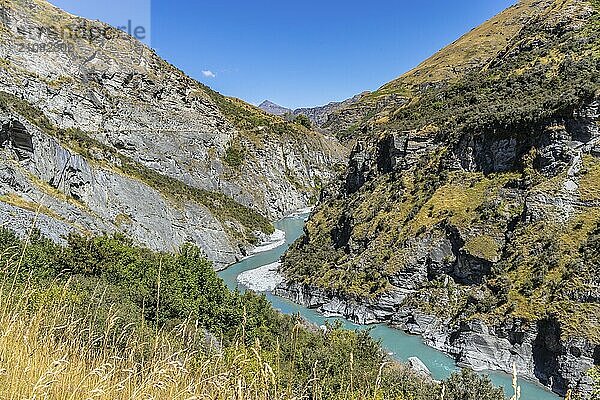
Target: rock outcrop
x: 102, y: 129
x: 468, y: 211
x: 322, y: 117
x: 62, y: 192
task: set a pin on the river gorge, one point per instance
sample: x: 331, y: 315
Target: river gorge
x: 398, y: 344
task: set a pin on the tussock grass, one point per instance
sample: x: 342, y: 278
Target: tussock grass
x: 38, y: 363
x: 48, y: 351
x: 100, y: 319
x: 46, y: 354
x: 14, y: 199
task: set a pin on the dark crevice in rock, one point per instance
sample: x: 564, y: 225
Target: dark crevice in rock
x: 357, y: 169
x: 389, y: 151
x: 15, y: 135
x: 342, y: 232
x: 468, y: 269
x: 547, y: 348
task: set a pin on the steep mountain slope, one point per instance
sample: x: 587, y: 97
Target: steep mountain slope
x: 469, y: 210
x: 102, y: 135
x: 320, y: 115
x: 472, y: 52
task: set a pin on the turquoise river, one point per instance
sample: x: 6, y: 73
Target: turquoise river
x: 394, y: 341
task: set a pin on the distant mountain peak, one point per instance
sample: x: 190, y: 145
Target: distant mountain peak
x: 269, y: 103
x: 318, y: 115
x: 272, y: 108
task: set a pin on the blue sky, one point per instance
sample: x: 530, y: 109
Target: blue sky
x: 294, y: 53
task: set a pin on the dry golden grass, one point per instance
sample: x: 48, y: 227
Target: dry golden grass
x: 47, y: 352
x: 41, y: 358
x: 589, y: 187
x: 15, y: 200
x: 44, y: 358
x: 478, y: 47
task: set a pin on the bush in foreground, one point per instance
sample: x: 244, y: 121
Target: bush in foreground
x: 101, y: 318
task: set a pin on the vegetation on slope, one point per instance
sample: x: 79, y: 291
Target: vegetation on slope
x: 357, y: 243
x: 250, y: 119
x: 527, y: 50
x: 258, y: 129
x: 473, y: 51
x: 518, y: 93
x: 103, y: 319
x: 221, y: 206
x: 387, y: 214
x: 523, y: 66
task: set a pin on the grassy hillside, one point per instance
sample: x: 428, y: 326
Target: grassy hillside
x: 103, y: 319
x: 541, y: 65
x: 515, y: 44
x: 473, y: 51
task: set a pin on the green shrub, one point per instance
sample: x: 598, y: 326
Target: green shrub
x: 303, y: 120
x: 467, y: 385
x: 235, y: 155
x: 122, y: 290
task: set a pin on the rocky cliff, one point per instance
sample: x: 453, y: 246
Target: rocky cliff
x: 119, y: 140
x: 320, y: 116
x: 469, y: 209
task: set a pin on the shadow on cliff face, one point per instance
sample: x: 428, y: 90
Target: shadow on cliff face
x: 14, y: 134
x: 342, y: 232
x: 547, y: 348
x: 468, y: 269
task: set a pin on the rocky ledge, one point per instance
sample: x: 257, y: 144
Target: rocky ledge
x: 460, y: 256
x: 537, y: 350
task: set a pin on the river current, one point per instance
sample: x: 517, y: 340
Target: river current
x: 399, y: 344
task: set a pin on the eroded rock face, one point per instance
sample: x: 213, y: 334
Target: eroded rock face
x: 537, y: 350
x: 452, y: 252
x: 320, y: 116
x: 15, y: 135
x: 70, y: 194
x: 333, y: 304
x: 475, y: 196
x: 122, y: 95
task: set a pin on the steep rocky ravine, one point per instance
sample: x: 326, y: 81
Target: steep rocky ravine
x: 122, y: 141
x: 469, y: 209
